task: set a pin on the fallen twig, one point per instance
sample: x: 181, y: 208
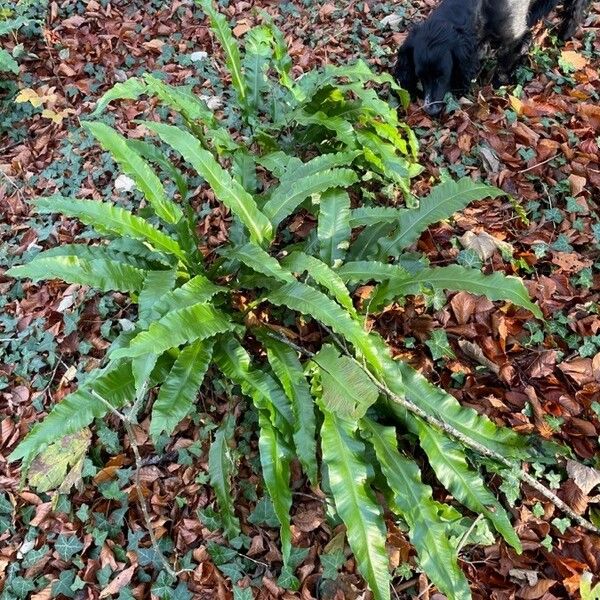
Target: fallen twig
x: 462, y: 438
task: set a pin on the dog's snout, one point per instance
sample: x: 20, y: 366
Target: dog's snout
x: 433, y: 109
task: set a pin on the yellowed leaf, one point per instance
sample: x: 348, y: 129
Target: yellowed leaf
x: 516, y: 104
x: 31, y: 96
x: 56, y: 117
x: 575, y: 60
x: 59, y: 465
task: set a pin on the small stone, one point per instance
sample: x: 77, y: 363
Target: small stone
x: 124, y: 183
x: 198, y: 56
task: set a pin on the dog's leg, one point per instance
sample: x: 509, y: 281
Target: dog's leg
x: 539, y: 9
x: 509, y: 58
x: 573, y: 14
x: 515, y: 41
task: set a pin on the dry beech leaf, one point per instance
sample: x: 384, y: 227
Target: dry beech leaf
x: 573, y: 59
x: 536, y: 591
x: 475, y: 353
x: 484, y: 244
x: 578, y: 369
x: 585, y: 477
x: 577, y: 184
x: 44, y: 594
x: 531, y: 577
x: 119, y: 582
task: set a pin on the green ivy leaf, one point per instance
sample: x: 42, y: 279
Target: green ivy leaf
x: 67, y: 546
x: 264, y: 514
x: 240, y: 593
x: 162, y: 586
x: 332, y: 562
x: 439, y: 345
x: 21, y: 587
x: 287, y: 580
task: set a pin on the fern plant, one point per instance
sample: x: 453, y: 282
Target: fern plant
x: 337, y: 408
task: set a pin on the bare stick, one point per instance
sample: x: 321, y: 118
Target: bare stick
x: 465, y: 537
x: 537, y: 165
x: 462, y: 438
x: 138, y: 484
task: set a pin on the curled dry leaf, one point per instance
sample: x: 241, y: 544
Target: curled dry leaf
x: 119, y: 582
x: 585, y: 477
x: 536, y: 591
x: 527, y: 575
x: 474, y: 352
x: 484, y: 244
x: 579, y: 370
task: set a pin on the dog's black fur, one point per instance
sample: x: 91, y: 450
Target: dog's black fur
x: 443, y: 52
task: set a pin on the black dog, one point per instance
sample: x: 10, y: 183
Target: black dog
x: 443, y: 52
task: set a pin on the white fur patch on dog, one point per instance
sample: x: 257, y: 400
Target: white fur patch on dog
x: 518, y: 10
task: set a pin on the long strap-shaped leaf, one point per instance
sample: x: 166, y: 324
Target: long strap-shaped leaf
x: 343, y: 129
x: 448, y: 460
x: 350, y: 478
x: 178, y: 393
x: 287, y: 367
x: 300, y: 170
x: 131, y: 89
x: 309, y: 301
x: 222, y: 30
x: 364, y: 216
x: 226, y: 189
x: 282, y: 63
x: 261, y: 261
x: 220, y: 470
x: 347, y: 390
x: 135, y: 166
x: 233, y: 360
x: 196, y: 322
x: 403, y: 380
x: 496, y: 286
x: 258, y: 51
x: 443, y: 201
x: 324, y: 275
x: 412, y: 500
x: 102, y: 274
x: 108, y: 217
x: 275, y: 459
x: 361, y: 271
x: 155, y: 155
x: 181, y: 99
x: 286, y: 198
x: 198, y: 289
x: 78, y: 409
x: 156, y: 285
x: 147, y: 260
x: 333, y: 229
x: 361, y: 247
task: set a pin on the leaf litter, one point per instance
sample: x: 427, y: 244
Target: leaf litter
x: 539, y: 143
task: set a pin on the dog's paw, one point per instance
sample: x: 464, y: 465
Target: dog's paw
x: 567, y: 31
x: 501, y: 78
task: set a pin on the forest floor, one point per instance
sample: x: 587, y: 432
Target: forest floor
x: 538, y: 140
